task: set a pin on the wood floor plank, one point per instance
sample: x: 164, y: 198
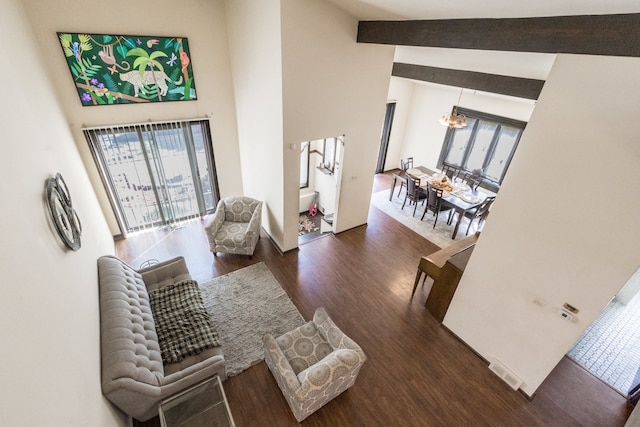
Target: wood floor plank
x: 417, y: 373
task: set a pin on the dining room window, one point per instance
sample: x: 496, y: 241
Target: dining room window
x: 486, y: 144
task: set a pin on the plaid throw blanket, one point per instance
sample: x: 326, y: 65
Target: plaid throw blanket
x: 183, y: 325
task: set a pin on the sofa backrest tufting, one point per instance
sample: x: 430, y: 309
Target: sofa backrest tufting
x: 134, y: 377
x: 129, y: 340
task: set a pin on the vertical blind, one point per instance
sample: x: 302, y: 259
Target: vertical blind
x: 156, y: 173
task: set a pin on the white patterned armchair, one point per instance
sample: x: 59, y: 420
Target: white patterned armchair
x: 313, y: 363
x: 235, y: 227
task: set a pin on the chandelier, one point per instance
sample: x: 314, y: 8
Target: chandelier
x: 453, y: 119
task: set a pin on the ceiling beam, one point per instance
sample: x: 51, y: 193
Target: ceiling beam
x: 505, y: 85
x: 617, y: 35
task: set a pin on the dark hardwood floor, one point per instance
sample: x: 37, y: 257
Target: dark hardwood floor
x: 417, y: 373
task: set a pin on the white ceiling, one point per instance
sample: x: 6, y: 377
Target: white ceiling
x: 517, y: 64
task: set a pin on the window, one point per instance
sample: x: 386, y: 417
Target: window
x: 329, y: 154
x: 156, y: 173
x: 487, y: 144
x: 304, y: 164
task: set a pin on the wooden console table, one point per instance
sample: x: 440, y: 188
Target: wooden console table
x: 431, y: 265
x: 446, y: 284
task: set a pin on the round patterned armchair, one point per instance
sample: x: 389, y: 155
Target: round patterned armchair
x: 235, y: 227
x: 313, y: 363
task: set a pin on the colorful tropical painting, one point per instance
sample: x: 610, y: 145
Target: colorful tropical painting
x: 111, y: 69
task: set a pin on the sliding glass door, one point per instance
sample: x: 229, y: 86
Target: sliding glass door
x: 156, y: 174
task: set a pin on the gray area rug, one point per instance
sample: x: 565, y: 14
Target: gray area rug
x: 244, y: 306
x: 441, y: 235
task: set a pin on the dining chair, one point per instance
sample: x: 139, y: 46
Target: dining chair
x: 415, y: 193
x: 435, y: 203
x: 450, y: 170
x: 472, y: 180
x: 406, y: 163
x: 480, y: 213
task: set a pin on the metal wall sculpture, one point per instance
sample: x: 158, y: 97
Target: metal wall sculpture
x: 65, y: 219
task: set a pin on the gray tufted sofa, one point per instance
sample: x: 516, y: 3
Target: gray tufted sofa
x: 313, y: 363
x: 134, y: 377
x: 235, y: 228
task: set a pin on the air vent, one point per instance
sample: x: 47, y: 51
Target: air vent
x: 507, y: 376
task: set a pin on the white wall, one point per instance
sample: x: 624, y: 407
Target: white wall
x: 417, y: 133
x: 49, y: 317
x: 254, y: 38
x: 299, y: 75
x: 331, y: 86
x: 547, y: 237
x: 203, y: 23
x: 531, y: 65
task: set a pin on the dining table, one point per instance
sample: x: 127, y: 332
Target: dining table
x: 418, y: 172
x: 463, y: 201
x: 462, y: 198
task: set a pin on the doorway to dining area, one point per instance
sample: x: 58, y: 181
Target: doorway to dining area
x: 386, y: 136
